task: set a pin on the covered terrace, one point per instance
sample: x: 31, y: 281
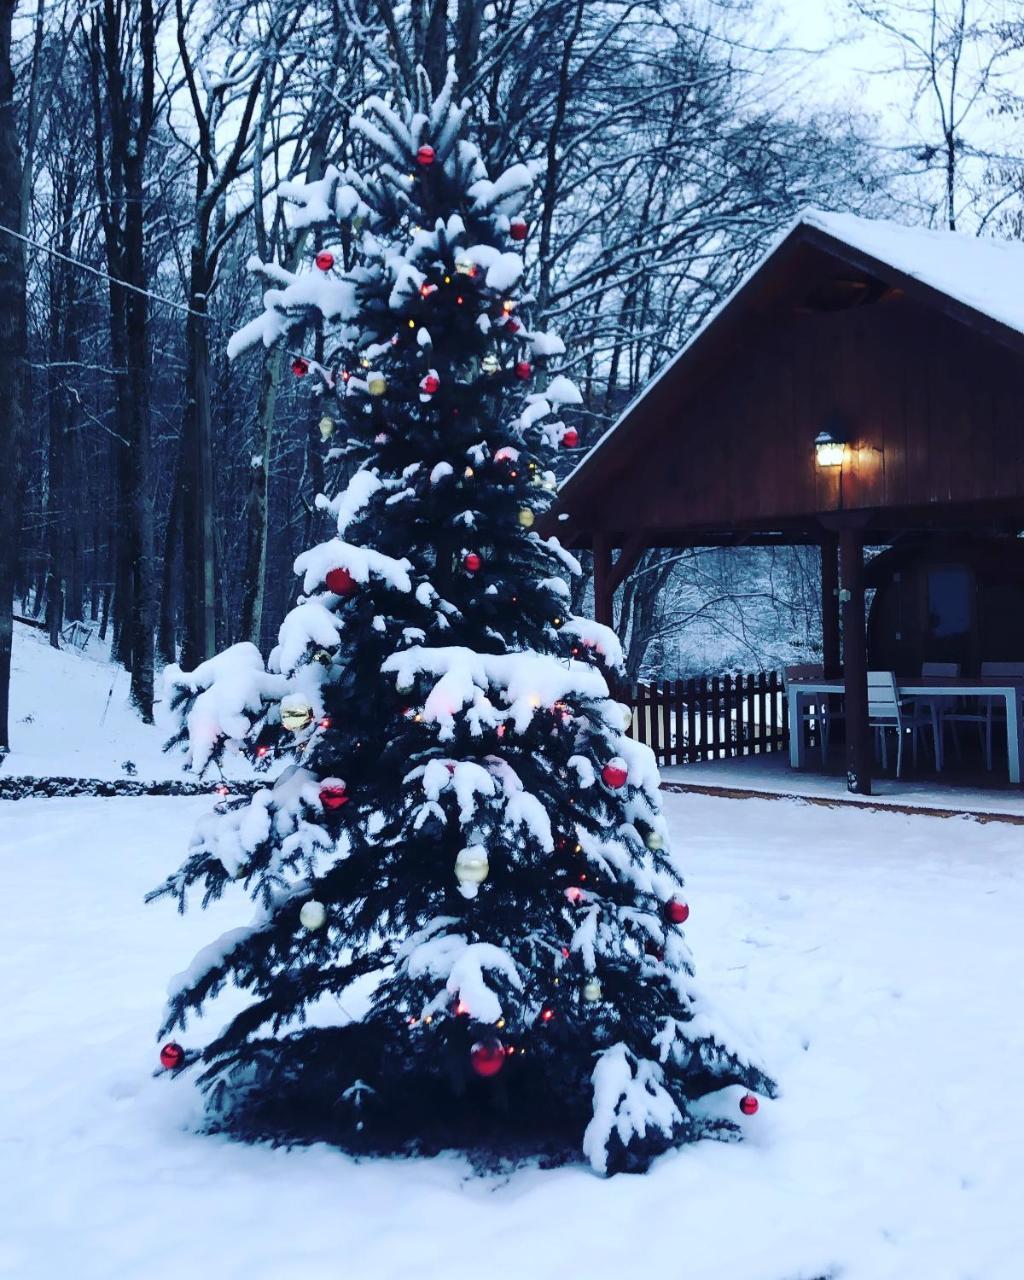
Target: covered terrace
x: 862, y: 388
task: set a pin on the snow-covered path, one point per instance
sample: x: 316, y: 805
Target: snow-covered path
x: 877, y: 957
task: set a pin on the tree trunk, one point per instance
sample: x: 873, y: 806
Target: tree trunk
x: 257, y: 498
x: 13, y: 374
x: 200, y: 619
x: 105, y: 612
x: 140, y: 616
x: 123, y: 535
x: 58, y: 413
x: 166, y: 640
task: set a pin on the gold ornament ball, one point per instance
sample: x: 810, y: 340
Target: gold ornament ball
x: 313, y: 915
x: 655, y: 842
x: 526, y: 518
x: 376, y: 384
x: 326, y: 428
x: 464, y: 267
x: 490, y: 364
x: 323, y: 656
x: 471, y: 867
x: 296, y: 714
x: 592, y: 990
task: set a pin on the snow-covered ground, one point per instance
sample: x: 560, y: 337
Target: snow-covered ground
x: 876, y: 956
x: 70, y: 717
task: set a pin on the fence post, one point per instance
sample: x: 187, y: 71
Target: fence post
x: 727, y: 721
x: 751, y: 715
x: 691, y: 721
x: 641, y: 726
x: 716, y: 716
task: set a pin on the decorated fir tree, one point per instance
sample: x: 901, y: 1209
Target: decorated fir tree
x: 463, y: 831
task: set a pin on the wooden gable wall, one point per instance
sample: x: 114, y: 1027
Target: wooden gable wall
x: 933, y: 405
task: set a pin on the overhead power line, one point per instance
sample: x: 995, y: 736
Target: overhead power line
x: 103, y: 275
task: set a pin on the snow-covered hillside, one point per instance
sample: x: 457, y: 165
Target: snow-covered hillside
x: 70, y: 717
x: 877, y: 957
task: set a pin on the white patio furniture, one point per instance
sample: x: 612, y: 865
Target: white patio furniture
x: 1005, y: 691
x: 929, y: 711
x: 813, y: 710
x: 989, y: 710
x: 887, y: 710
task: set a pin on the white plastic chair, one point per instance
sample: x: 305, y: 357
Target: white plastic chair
x: 885, y: 712
x: 933, y: 712
x: 989, y: 709
x: 812, y: 708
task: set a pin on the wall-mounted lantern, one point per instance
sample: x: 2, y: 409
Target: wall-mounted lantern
x: 829, y: 450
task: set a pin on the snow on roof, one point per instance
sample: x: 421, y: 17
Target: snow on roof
x: 981, y: 273
x: 984, y: 274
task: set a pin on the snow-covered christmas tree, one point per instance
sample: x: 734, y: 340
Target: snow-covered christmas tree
x: 468, y: 927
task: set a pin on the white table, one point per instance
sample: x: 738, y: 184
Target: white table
x: 1011, y: 691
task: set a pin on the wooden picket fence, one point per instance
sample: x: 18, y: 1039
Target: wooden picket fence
x: 710, y: 718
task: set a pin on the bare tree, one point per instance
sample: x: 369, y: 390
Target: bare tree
x: 12, y: 353
x: 221, y: 153
x: 956, y: 56
x: 122, y: 50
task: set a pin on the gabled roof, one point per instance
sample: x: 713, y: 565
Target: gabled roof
x: 984, y: 274
x: 978, y: 280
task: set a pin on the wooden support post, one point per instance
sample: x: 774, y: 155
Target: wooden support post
x: 627, y: 560
x: 610, y: 574
x: 855, y: 661
x: 830, y: 604
x: 604, y: 591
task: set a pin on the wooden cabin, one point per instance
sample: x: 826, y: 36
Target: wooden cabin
x: 862, y: 387
x: 946, y: 600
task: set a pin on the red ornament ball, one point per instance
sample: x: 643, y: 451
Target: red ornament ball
x: 749, y: 1104
x: 341, y: 582
x: 332, y: 793
x: 471, y: 562
x: 615, y: 773
x: 570, y: 437
x: 487, y: 1057
x: 324, y: 259
x: 425, y: 156
x: 430, y: 384
x: 524, y: 370
x: 517, y: 229
x: 677, y: 911
x: 300, y: 366
x: 172, y: 1056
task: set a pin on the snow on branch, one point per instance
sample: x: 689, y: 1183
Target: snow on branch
x: 596, y: 636
x: 346, y: 505
x: 507, y: 194
x: 629, y: 1099
x: 449, y: 958
x: 232, y: 688
x: 361, y: 562
x: 496, y: 687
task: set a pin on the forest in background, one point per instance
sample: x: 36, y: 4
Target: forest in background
x: 160, y: 493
